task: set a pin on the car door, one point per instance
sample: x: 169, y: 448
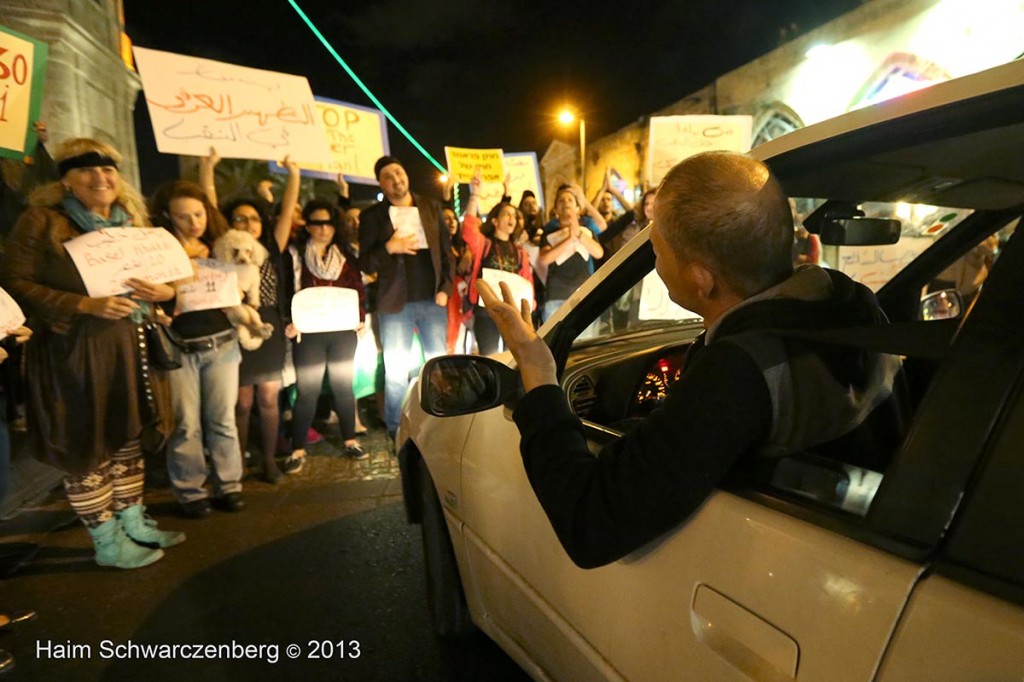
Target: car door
x: 751, y: 587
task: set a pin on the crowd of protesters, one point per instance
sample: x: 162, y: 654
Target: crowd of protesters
x: 95, y: 404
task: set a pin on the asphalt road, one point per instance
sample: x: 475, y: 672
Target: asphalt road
x: 319, y: 578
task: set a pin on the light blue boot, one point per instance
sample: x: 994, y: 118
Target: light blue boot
x: 115, y: 548
x: 142, y: 528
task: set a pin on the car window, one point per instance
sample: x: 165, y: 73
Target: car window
x: 645, y: 306
x: 874, y: 266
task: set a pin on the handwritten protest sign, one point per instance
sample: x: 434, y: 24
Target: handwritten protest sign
x: 674, y: 138
x: 463, y: 163
x: 22, y: 70
x: 873, y: 266
x: 11, y: 316
x: 325, y: 309
x: 521, y: 288
x: 358, y: 136
x: 655, y: 303
x: 245, y: 113
x: 106, y: 258
x: 215, y: 286
x: 523, y: 173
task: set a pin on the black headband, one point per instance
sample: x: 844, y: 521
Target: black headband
x: 87, y: 160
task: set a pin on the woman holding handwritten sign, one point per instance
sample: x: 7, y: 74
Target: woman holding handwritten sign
x: 323, y: 258
x: 205, y: 389
x: 259, y: 377
x: 93, y: 400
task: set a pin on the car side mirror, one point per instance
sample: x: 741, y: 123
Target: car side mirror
x: 946, y: 304
x: 453, y: 385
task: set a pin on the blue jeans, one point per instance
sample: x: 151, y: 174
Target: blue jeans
x: 204, y: 392
x: 550, y: 308
x: 396, y: 329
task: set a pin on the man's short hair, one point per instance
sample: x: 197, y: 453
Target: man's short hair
x: 382, y: 162
x: 727, y: 211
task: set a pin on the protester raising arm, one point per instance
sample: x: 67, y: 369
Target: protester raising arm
x: 289, y: 202
x: 208, y: 173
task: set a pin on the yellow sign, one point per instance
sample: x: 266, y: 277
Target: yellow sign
x: 463, y: 163
x: 358, y: 136
x: 22, y: 67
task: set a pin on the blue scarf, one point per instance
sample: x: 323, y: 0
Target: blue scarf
x: 89, y: 221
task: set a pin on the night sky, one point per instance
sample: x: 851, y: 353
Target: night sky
x: 473, y: 73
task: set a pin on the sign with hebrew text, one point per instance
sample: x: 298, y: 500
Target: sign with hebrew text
x: 244, y: 113
x: 215, y: 286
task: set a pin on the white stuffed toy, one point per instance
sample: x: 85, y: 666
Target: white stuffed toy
x: 242, y: 249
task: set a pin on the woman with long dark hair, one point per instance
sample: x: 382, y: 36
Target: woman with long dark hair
x: 322, y: 257
x: 259, y: 376
x: 205, y: 389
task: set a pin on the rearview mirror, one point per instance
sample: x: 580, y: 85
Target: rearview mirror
x: 453, y: 385
x: 941, y: 305
x: 860, y: 232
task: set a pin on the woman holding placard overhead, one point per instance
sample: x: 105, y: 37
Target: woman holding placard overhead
x: 205, y: 389
x: 259, y: 376
x: 94, y: 400
x: 327, y: 309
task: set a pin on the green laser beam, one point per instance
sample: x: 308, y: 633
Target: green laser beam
x: 350, y: 72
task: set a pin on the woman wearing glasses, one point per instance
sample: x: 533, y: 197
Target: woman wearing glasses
x: 259, y: 375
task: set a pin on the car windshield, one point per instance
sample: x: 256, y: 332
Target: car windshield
x: 646, y: 306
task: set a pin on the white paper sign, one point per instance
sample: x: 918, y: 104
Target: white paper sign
x: 215, y: 286
x: 106, y: 258
x: 674, y: 138
x: 11, y: 316
x: 245, y: 113
x: 655, y: 303
x: 325, y: 309
x: 406, y: 221
x: 557, y: 237
x: 521, y: 288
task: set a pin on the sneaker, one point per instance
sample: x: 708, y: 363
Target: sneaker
x: 356, y: 452
x: 293, y: 463
x: 313, y: 436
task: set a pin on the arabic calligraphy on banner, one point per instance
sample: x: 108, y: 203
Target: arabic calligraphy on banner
x: 674, y: 138
x: 873, y: 266
x: 106, y: 258
x: 245, y: 113
x: 22, y: 69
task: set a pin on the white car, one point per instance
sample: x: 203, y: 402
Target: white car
x: 811, y: 570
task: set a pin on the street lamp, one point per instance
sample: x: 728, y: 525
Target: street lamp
x: 566, y: 117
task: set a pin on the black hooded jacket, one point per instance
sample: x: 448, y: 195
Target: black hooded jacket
x: 746, y: 393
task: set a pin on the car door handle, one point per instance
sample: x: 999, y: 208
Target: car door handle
x: 748, y: 642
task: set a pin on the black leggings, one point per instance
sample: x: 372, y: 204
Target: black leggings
x: 333, y: 352
x: 486, y: 332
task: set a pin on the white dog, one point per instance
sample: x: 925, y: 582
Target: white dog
x: 242, y: 249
